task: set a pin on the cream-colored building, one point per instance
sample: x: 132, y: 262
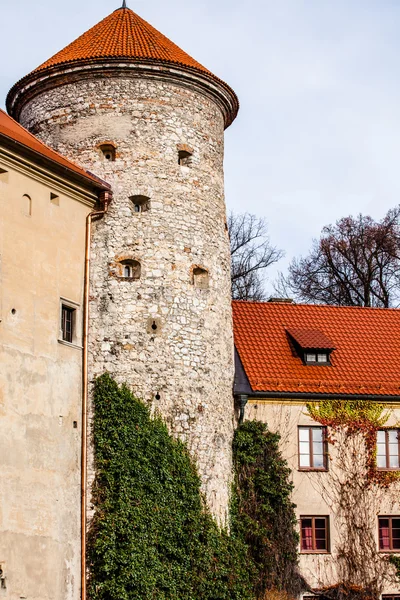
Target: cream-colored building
x: 44, y: 203
x: 316, y: 375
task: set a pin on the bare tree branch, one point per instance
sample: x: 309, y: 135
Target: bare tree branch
x: 251, y: 254
x: 356, y: 262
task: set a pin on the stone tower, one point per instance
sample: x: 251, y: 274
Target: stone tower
x: 126, y: 103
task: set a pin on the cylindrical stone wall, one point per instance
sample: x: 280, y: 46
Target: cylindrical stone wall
x: 184, y: 366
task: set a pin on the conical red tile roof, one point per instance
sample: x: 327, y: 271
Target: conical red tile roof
x: 123, y: 34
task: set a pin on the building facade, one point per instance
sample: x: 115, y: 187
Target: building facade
x: 315, y: 375
x: 44, y: 202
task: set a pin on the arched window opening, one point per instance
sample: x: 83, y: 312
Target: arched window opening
x: 26, y: 205
x: 140, y: 203
x: 201, y: 278
x: 131, y: 269
x: 107, y: 151
x: 185, y: 154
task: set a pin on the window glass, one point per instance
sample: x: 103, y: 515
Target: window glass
x: 314, y: 534
x: 312, y: 448
x: 387, y: 449
x: 310, y: 358
x: 322, y: 358
x: 389, y: 534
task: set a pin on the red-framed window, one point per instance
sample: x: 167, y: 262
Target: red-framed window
x: 314, y: 534
x: 313, y: 450
x: 389, y: 534
x: 388, y: 449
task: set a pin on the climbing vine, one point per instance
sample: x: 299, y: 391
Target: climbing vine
x: 151, y: 535
x: 355, y: 491
x: 262, y: 512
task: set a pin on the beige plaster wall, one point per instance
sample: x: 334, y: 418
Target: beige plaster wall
x: 41, y: 260
x: 309, y: 496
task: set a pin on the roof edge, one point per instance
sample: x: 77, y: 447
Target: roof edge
x: 314, y: 396
x: 37, y: 81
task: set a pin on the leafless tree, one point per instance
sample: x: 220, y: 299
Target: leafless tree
x: 356, y: 262
x: 251, y: 253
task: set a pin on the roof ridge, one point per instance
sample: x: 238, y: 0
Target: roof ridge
x: 302, y: 304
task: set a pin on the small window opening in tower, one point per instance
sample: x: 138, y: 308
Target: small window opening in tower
x: 154, y: 326
x: 184, y: 158
x: 201, y: 278
x: 107, y: 151
x: 130, y: 269
x: 140, y: 203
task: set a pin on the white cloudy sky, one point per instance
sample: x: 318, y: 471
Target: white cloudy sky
x: 318, y: 133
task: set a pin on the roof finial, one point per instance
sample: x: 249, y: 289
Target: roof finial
x: 124, y: 4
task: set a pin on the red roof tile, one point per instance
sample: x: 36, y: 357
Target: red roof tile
x: 123, y: 34
x: 14, y: 131
x: 311, y: 339
x: 366, y: 359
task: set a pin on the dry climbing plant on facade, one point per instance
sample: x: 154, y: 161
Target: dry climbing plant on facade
x: 356, y: 493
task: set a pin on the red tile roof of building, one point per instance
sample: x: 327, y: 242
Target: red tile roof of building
x: 311, y: 339
x: 123, y: 34
x: 366, y: 359
x: 9, y: 128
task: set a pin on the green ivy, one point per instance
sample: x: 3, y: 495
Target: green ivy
x: 151, y: 536
x: 263, y: 515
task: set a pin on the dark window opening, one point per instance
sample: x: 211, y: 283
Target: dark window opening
x: 108, y: 151
x: 67, y: 323
x: 388, y: 449
x: 131, y: 269
x: 390, y: 596
x: 184, y: 158
x: 313, y: 450
x: 314, y: 534
x: 389, y: 534
x: 140, y: 203
x: 54, y: 199
x: 201, y: 278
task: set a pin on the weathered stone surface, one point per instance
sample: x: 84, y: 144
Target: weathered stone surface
x: 184, y: 367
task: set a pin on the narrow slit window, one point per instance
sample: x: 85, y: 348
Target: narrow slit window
x: 67, y: 323
x: 26, y: 205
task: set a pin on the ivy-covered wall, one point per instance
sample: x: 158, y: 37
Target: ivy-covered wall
x: 152, y: 535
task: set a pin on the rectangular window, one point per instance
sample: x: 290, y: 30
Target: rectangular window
x: 389, y: 534
x: 313, y: 451
x: 390, y: 596
x: 314, y: 536
x: 387, y: 449
x: 67, y: 323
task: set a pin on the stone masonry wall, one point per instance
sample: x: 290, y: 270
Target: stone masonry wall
x: 185, y: 366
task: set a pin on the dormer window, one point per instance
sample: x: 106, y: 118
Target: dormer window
x: 319, y: 357
x: 312, y: 346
